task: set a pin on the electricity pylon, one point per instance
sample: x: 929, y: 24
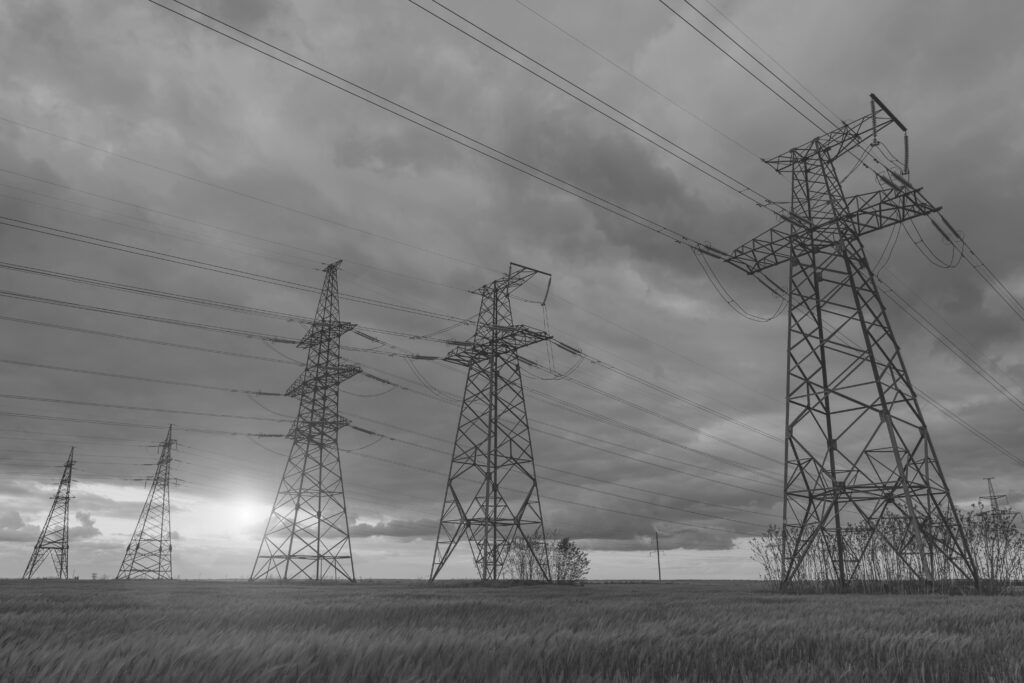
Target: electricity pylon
x: 53, y: 539
x: 307, y: 535
x: 148, y: 555
x: 491, y: 493
x: 998, y: 530
x: 992, y: 498
x: 857, y: 447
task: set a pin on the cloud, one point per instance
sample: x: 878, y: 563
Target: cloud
x: 421, y: 222
x: 87, y: 528
x: 14, y: 528
x: 400, y: 528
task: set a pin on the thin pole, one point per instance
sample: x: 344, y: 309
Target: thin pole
x: 657, y: 551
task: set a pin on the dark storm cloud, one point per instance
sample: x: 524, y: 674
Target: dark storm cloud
x: 136, y: 80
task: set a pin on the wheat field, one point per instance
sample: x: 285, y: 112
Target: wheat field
x: 462, y: 631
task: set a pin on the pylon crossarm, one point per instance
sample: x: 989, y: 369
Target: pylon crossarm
x: 865, y: 213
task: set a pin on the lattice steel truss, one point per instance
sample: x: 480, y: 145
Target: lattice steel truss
x: 491, y: 494
x: 307, y: 535
x: 148, y: 555
x: 53, y: 539
x: 857, y: 447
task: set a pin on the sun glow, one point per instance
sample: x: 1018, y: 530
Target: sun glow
x: 245, y: 513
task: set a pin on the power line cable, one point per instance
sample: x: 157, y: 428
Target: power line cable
x: 561, y: 29
x: 744, y: 67
x: 159, y: 342
x: 143, y: 316
x: 94, y: 404
x: 427, y: 123
x: 116, y: 375
x: 689, y: 158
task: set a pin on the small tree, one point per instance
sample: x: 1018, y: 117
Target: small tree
x: 569, y: 562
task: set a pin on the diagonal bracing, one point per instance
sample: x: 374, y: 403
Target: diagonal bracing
x: 491, y: 496
x: 858, y: 452
x: 53, y: 538
x: 148, y: 555
x: 307, y: 534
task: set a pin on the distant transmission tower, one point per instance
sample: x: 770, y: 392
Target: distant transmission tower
x: 992, y: 498
x: 149, y: 552
x: 491, y: 494
x: 307, y: 535
x: 857, y: 448
x: 53, y: 539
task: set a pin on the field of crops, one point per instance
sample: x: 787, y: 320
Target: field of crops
x: 408, y: 631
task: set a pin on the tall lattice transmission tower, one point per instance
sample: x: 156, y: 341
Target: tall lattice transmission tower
x: 148, y: 555
x: 491, y: 494
x: 307, y: 535
x: 53, y: 539
x: 857, y: 447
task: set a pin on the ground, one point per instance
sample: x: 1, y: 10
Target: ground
x: 463, y: 631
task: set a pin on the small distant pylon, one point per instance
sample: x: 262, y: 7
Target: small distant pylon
x: 992, y: 498
x: 148, y: 555
x: 53, y: 539
x: 307, y: 535
x: 998, y: 533
x: 491, y: 493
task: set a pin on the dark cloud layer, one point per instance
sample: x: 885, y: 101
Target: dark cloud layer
x: 244, y: 163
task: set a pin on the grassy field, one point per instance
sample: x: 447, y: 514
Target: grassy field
x: 407, y: 631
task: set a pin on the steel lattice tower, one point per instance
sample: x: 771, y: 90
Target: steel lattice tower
x: 857, y: 447
x: 148, y: 555
x: 53, y: 539
x: 491, y: 493
x: 307, y: 535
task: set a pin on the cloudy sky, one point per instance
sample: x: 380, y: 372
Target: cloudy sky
x: 124, y: 122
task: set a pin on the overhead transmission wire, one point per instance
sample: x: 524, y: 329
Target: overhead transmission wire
x: 561, y: 29
x: 621, y: 451
x: 689, y: 158
x: 143, y: 316
x: 239, y: 193
x: 136, y: 378
x: 139, y: 425
x: 773, y: 60
x: 562, y: 483
x: 598, y: 316
x: 950, y: 345
x: 448, y: 455
x: 133, y: 289
x: 212, y: 267
x: 158, y: 342
x: 440, y: 475
x: 140, y: 207
x: 139, y: 223
x: 113, y: 245
x: 201, y: 224
x: 567, y: 484
x: 611, y: 421
x: 425, y: 122
x: 759, y: 62
x: 250, y: 334
x: 172, y: 411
